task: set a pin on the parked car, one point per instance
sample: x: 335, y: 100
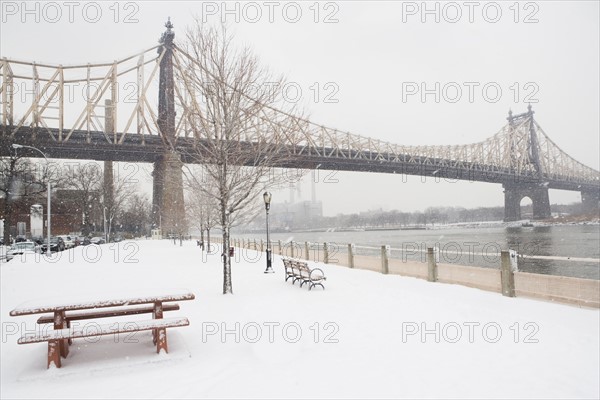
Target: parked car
x: 20, y: 239
x: 68, y: 241
x: 26, y: 247
x: 97, y: 240
x: 56, y: 244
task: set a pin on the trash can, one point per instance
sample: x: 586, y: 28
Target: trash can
x: 231, y: 252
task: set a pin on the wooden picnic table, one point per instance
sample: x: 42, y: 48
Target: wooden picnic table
x: 91, y: 308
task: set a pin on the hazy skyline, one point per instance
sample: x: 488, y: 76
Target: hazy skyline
x: 355, y: 66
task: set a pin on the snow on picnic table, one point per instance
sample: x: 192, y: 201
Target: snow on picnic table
x: 91, y: 301
x: 366, y: 335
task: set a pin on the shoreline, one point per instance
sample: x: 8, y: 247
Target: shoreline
x: 524, y: 223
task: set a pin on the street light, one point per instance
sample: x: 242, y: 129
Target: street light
x: 267, y: 199
x: 104, y: 215
x: 20, y: 146
x: 159, y: 217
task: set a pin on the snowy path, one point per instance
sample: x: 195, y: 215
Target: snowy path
x: 366, y: 335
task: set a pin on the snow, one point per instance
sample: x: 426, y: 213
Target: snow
x: 107, y: 299
x: 365, y: 335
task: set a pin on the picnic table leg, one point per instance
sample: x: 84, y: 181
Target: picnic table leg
x: 157, y: 313
x: 70, y: 341
x: 59, y: 323
x: 54, y: 353
x: 160, y: 334
x: 154, y: 330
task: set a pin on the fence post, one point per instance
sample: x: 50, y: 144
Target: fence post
x: 385, y: 259
x: 325, y: 253
x: 432, y: 270
x: 351, y: 255
x: 292, y: 249
x: 507, y: 276
x: 279, y: 246
x: 262, y: 246
x: 307, y: 251
x: 255, y: 247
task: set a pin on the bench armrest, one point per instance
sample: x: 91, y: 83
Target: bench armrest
x: 316, y: 274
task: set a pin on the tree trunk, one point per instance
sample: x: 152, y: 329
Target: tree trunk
x: 8, y: 219
x: 201, y: 237
x: 227, y: 287
x: 8, y: 207
x: 109, y: 228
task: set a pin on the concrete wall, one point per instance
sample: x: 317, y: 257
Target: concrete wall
x: 575, y: 291
x: 564, y: 289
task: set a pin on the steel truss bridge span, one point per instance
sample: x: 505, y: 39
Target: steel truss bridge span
x: 115, y: 119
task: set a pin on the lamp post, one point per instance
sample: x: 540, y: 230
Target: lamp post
x: 20, y: 146
x: 267, y: 199
x: 104, y: 215
x: 159, y: 217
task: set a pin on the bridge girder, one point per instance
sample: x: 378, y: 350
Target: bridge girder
x: 152, y: 151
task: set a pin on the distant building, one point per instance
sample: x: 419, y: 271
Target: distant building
x: 30, y: 217
x: 299, y: 215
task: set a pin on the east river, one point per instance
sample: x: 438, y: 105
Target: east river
x: 477, y: 245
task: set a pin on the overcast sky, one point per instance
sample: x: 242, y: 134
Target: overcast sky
x: 356, y: 64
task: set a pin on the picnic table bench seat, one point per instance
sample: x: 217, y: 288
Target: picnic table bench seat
x: 54, y: 337
x: 103, y: 313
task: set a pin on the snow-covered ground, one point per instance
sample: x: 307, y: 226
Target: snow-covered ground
x: 366, y: 335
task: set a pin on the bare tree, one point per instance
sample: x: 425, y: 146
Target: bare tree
x: 235, y: 125
x: 115, y: 196
x: 86, y: 182
x: 136, y: 215
x: 201, y: 210
x: 22, y: 181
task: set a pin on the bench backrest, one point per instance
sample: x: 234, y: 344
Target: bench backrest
x: 296, y: 266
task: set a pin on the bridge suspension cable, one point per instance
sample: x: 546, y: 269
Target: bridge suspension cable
x: 44, y: 87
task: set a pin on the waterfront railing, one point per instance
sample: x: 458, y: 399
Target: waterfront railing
x: 492, y: 269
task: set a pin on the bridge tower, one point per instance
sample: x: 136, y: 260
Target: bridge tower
x: 524, y: 153
x: 590, y: 201
x: 167, y: 197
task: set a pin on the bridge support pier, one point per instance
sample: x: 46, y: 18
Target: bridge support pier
x: 167, y: 196
x: 513, y: 194
x: 590, y: 202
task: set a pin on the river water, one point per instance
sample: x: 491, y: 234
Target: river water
x: 478, y: 245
